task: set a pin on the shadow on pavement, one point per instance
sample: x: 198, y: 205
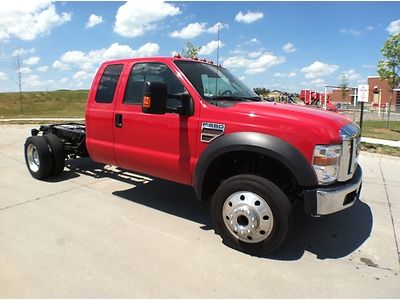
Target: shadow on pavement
x: 332, y: 236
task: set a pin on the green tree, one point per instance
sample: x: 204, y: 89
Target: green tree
x: 389, y: 67
x: 190, y: 50
x: 344, y: 86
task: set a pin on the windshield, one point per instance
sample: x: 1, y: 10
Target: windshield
x: 215, y: 83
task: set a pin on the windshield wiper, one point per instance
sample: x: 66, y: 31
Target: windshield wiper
x: 255, y: 98
x: 234, y: 98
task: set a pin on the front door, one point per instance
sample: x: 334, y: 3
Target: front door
x: 160, y: 145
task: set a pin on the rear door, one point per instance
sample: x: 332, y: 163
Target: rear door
x: 100, y: 114
x: 159, y: 145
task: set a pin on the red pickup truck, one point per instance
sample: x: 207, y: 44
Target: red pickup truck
x: 193, y: 122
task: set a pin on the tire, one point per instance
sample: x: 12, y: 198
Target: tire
x: 58, y: 154
x: 38, y: 157
x: 251, y: 214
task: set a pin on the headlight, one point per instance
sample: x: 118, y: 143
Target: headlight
x: 326, y: 163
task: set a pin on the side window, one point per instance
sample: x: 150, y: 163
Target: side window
x: 153, y: 72
x: 108, y: 83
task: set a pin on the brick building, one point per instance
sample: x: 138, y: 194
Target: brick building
x: 376, y: 86
x: 336, y: 96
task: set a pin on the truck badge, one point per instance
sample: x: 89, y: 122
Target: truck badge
x: 210, y: 131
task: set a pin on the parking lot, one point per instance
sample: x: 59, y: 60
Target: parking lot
x: 98, y: 231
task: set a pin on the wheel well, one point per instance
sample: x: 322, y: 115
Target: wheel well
x: 245, y: 162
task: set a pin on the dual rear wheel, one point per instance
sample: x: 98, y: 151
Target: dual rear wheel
x: 44, y: 156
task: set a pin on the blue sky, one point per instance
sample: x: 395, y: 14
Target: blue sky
x: 277, y: 45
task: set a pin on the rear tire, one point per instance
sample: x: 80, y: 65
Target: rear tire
x: 251, y: 214
x: 38, y: 157
x: 57, y: 151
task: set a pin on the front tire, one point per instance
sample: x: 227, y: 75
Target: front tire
x: 38, y: 157
x: 251, y: 214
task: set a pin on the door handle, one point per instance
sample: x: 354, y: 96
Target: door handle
x: 118, y: 120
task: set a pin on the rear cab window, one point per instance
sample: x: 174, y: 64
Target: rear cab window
x: 108, y: 83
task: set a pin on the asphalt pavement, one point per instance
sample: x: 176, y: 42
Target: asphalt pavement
x: 99, y: 231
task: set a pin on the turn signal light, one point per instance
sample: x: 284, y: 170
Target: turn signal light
x: 146, y: 102
x: 326, y: 161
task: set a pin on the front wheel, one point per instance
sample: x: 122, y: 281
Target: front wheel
x: 251, y: 214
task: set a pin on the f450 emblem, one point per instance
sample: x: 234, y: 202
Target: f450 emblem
x: 210, y: 131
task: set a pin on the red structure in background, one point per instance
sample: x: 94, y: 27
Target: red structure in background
x: 310, y: 97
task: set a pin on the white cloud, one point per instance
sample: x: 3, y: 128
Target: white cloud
x: 42, y: 69
x: 352, y: 74
x: 369, y: 66
x: 394, y: 27
x: 214, y: 28
x: 94, y: 20
x: 284, y: 75
x: 248, y: 18
x: 242, y: 78
x: 253, y: 66
x: 35, y: 82
x: 254, y: 41
x: 318, y: 82
x: 279, y: 75
x: 3, y: 76
x: 237, y: 51
x: 25, y: 70
x: 369, y: 28
x: 289, y: 48
x: 33, y: 60
x: 134, y: 18
x: 27, y: 20
x: 21, y: 51
x: 354, y: 32
x: 210, y: 47
x: 88, y: 62
x: 190, y: 31
x: 59, y: 65
x: 255, y: 54
x: 82, y: 75
x: 319, y: 69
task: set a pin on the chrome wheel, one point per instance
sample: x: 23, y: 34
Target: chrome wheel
x: 248, y: 217
x: 32, y: 156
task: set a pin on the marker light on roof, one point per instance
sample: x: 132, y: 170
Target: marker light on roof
x: 195, y: 58
x: 203, y: 60
x: 177, y: 55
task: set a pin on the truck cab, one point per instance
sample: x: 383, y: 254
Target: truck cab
x: 193, y: 122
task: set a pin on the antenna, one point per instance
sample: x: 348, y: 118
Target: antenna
x: 218, y: 44
x: 216, y: 79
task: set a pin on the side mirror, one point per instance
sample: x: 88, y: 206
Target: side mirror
x: 187, y: 107
x: 154, y: 98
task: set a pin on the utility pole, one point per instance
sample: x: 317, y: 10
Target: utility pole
x: 19, y: 81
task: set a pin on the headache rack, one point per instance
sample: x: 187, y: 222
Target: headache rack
x: 72, y: 135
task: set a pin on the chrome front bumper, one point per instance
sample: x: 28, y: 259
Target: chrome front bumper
x: 327, y: 200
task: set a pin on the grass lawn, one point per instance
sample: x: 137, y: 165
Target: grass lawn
x: 378, y: 130
x: 381, y: 149
x: 62, y: 103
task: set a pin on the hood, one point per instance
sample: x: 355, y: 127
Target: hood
x: 280, y: 119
